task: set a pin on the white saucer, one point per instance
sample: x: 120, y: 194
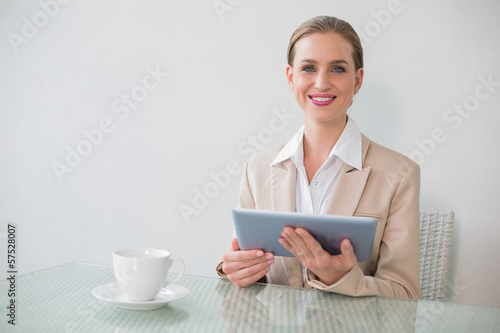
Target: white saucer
x: 112, y: 292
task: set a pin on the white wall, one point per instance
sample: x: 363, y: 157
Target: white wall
x: 224, y: 86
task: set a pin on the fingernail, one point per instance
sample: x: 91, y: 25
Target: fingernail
x: 269, y: 256
x: 260, y: 254
x: 270, y: 262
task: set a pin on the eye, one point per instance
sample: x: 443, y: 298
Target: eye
x: 338, y: 70
x: 308, y: 69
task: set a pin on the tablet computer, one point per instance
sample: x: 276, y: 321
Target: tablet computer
x: 261, y: 229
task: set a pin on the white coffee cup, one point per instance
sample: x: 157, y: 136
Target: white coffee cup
x: 142, y: 273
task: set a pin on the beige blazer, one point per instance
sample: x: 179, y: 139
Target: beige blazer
x: 387, y: 188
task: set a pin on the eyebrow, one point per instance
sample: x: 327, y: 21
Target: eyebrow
x: 333, y: 62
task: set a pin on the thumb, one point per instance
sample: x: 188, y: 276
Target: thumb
x: 348, y: 251
x: 234, y: 244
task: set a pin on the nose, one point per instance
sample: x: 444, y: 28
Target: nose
x: 322, y: 81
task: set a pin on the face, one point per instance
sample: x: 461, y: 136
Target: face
x: 323, y: 77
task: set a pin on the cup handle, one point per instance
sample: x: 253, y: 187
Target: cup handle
x: 181, y: 274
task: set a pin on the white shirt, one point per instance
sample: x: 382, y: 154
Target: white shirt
x: 313, y: 198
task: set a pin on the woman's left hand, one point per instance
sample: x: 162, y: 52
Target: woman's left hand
x: 309, y: 252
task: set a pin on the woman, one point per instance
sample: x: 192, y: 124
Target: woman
x: 330, y: 167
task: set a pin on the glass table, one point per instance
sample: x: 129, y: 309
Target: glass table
x: 60, y: 299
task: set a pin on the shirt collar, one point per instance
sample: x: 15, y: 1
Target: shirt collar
x: 348, y: 147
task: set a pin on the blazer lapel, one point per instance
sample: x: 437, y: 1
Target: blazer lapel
x: 347, y: 192
x: 349, y: 186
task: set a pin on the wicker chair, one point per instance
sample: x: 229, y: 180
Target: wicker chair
x: 435, y: 239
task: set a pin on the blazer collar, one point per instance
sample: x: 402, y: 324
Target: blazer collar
x: 346, y: 194
x: 350, y: 186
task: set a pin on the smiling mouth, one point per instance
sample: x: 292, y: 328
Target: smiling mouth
x: 322, y: 100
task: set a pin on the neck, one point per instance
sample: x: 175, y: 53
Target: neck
x: 320, y: 138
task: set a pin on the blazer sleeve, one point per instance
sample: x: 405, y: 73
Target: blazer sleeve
x: 398, y: 268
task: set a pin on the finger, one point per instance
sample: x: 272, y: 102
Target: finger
x: 348, y: 252
x: 299, y: 255
x: 287, y: 245
x: 247, y: 262
x: 234, y: 244
x: 296, y: 240
x: 235, y: 254
x: 251, y: 279
x: 292, y: 238
x: 237, y: 271
x: 242, y: 255
x: 232, y: 262
x: 249, y: 275
x: 311, y: 245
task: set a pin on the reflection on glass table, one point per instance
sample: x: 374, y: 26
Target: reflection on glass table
x: 60, y: 299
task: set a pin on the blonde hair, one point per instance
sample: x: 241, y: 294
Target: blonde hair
x: 327, y: 24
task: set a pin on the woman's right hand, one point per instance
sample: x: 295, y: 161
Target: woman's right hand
x: 245, y: 267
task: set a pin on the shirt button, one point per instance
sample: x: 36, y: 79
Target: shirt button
x: 316, y: 184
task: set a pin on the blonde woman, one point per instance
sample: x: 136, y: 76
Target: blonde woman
x: 330, y: 167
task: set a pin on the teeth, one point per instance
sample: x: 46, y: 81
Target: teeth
x: 322, y: 99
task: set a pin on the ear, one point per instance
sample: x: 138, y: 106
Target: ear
x: 289, y: 77
x: 358, y: 81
